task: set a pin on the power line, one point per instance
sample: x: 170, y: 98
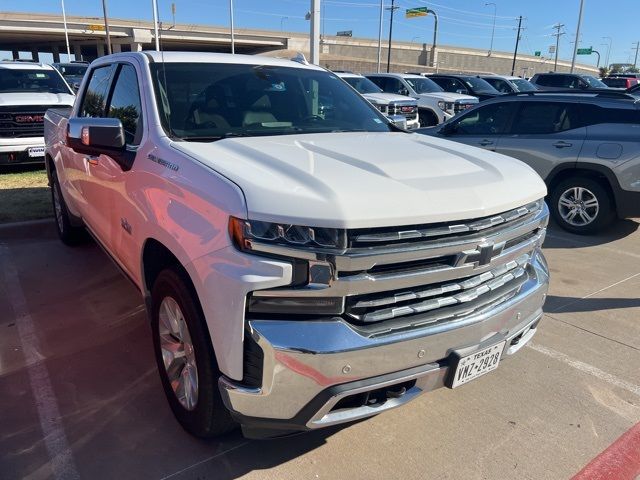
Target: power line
x: 558, y: 34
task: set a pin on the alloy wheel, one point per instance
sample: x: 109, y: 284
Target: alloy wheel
x: 578, y: 206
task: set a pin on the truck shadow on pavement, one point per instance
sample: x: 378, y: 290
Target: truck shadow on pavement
x: 556, y: 304
x: 559, y: 238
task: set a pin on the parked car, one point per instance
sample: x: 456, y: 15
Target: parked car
x: 73, y: 72
x: 389, y: 104
x: 465, y: 85
x: 560, y: 81
x: 585, y: 147
x: 620, y: 82
x: 27, y: 90
x: 434, y: 104
x: 301, y: 267
x: 508, y: 84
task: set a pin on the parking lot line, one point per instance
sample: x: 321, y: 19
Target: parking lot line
x: 60, y: 455
x: 219, y: 454
x: 586, y: 368
x: 620, y: 461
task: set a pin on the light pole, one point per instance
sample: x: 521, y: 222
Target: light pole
x: 66, y: 33
x: 154, y: 5
x: 315, y: 32
x: 515, y: 51
x: 380, y: 34
x: 106, y: 26
x: 575, y: 45
x: 609, y: 44
x: 393, y: 9
x: 233, y: 40
x: 282, y: 23
x: 493, y: 29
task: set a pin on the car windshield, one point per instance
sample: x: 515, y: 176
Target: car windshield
x: 479, y: 85
x: 593, y: 81
x: 523, y: 85
x: 211, y: 101
x: 362, y: 84
x: 13, y: 80
x: 423, y: 85
x: 72, y: 70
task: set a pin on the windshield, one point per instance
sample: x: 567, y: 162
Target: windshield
x: 593, y: 81
x: 206, y: 102
x: 523, y: 85
x: 479, y: 85
x: 423, y: 85
x: 362, y: 84
x: 72, y: 70
x: 24, y: 80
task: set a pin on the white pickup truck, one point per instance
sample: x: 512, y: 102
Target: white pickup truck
x: 27, y: 90
x: 301, y: 266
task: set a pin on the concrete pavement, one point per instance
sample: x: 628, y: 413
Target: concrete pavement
x: 80, y: 396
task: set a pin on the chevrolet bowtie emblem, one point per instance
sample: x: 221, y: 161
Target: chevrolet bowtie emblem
x: 482, y: 255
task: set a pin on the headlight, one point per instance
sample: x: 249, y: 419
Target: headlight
x: 244, y: 232
x: 442, y: 105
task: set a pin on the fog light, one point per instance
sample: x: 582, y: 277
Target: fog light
x: 300, y: 305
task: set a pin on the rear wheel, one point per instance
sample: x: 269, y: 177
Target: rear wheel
x: 185, y: 357
x: 68, y: 233
x: 581, y: 205
x: 427, y: 118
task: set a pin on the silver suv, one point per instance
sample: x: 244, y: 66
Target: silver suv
x: 584, y: 145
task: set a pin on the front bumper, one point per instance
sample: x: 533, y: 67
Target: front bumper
x: 311, y: 366
x: 16, y: 150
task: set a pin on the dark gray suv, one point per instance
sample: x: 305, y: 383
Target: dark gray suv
x: 584, y: 145
x: 570, y: 81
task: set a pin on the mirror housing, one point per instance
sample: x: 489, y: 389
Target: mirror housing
x: 94, y: 136
x: 399, y: 121
x: 404, y: 92
x: 448, y: 129
x: 462, y: 91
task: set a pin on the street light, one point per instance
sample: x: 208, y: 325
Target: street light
x: 493, y: 29
x: 282, y: 23
x: 610, y: 43
x: 233, y: 40
x: 66, y: 33
x: 575, y: 46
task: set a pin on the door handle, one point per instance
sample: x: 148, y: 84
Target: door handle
x: 484, y: 143
x: 562, y: 144
x: 92, y: 160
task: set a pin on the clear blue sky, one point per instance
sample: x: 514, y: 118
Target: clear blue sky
x: 462, y: 22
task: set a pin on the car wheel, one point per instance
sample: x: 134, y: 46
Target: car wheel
x: 185, y: 357
x: 581, y: 205
x: 427, y: 118
x: 68, y: 233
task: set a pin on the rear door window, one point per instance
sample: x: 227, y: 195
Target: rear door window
x: 499, y: 85
x: 543, y: 118
x: 95, y: 96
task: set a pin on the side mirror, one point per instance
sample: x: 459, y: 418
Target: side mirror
x: 448, y: 129
x: 403, y: 91
x: 584, y: 86
x: 94, y: 136
x: 399, y: 121
x: 462, y: 91
x: 75, y: 86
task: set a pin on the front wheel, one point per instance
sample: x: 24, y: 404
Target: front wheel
x: 68, y: 233
x: 185, y: 357
x: 581, y: 205
x: 427, y: 118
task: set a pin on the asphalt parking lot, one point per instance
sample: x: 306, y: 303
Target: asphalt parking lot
x: 80, y: 396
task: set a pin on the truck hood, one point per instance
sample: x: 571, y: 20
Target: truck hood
x: 357, y: 180
x: 386, y: 98
x: 36, y: 98
x: 450, y: 97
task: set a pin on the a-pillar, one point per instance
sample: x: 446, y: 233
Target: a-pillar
x: 116, y: 48
x: 100, y: 49
x: 34, y: 55
x: 77, y: 52
x: 56, y: 53
x: 136, y: 47
x: 15, y: 54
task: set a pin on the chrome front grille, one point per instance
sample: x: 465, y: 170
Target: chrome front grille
x: 20, y: 122
x: 397, y: 278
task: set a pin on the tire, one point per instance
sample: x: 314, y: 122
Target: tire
x: 427, y: 118
x: 199, y: 410
x: 581, y: 205
x: 68, y: 233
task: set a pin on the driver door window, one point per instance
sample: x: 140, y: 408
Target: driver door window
x: 488, y: 120
x: 125, y: 104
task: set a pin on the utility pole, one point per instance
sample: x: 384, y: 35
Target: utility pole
x: 609, y: 44
x: 66, y: 32
x: 575, y: 45
x: 106, y: 25
x: 233, y: 37
x: 393, y: 8
x: 558, y: 34
x: 154, y: 5
x: 515, y: 52
x: 493, y: 29
x: 635, y: 61
x: 380, y: 34
x: 315, y: 32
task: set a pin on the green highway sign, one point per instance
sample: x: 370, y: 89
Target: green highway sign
x: 416, y: 12
x: 585, y: 51
x: 537, y: 53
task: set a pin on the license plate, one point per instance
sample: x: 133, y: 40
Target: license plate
x: 477, y: 364
x: 36, y: 152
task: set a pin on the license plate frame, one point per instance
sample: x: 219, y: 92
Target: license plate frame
x: 35, y: 152
x: 466, y: 368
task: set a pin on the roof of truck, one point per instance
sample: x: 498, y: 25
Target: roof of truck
x: 200, y: 57
x: 24, y: 65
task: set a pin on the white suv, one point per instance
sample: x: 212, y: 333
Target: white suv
x: 27, y: 90
x: 434, y: 104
